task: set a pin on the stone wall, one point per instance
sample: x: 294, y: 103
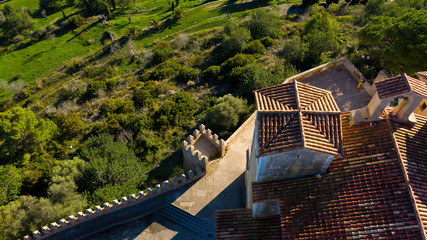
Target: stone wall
x: 48, y: 232
x: 193, y: 157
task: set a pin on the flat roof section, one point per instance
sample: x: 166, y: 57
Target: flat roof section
x: 343, y: 86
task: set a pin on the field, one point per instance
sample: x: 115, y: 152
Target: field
x: 34, y: 61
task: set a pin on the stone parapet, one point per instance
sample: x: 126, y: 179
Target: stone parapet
x: 194, y: 158
x: 116, y: 205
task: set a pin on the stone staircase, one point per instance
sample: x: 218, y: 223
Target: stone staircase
x: 189, y: 221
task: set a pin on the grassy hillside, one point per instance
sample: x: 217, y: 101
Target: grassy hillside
x: 99, y: 112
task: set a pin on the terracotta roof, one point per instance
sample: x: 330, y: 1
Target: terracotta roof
x: 239, y: 224
x: 412, y: 145
x: 422, y: 75
x: 363, y: 196
x: 393, y: 86
x: 295, y: 115
x: 398, y: 85
x: 418, y: 86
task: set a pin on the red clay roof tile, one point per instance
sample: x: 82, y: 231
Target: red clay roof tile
x: 398, y: 85
x: 296, y: 115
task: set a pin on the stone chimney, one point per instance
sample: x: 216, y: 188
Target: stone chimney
x: 403, y: 92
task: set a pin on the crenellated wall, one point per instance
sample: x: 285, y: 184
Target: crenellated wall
x: 107, y: 208
x: 194, y: 158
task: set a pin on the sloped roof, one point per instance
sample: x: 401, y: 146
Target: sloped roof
x: 412, y: 146
x: 422, y: 75
x: 378, y: 191
x: 295, y: 115
x: 398, y: 85
x: 239, y: 224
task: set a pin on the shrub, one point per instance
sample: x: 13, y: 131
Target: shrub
x: 161, y: 55
x: 93, y: 88
x: 111, y: 84
x: 235, y: 42
x: 186, y: 74
x: 18, y: 39
x: 76, y: 21
x: 267, y: 41
x: 255, y: 47
x: 212, y: 73
x: 165, y: 70
x: 263, y: 24
x: 114, y: 105
x: 226, y: 114
x: 239, y: 60
x: 295, y: 52
x: 39, y: 34
x: 74, y: 65
x: 175, y: 112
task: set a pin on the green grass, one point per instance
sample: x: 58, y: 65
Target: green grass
x: 41, y: 58
x: 30, y: 4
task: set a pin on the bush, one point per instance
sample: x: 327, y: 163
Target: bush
x: 255, y: 47
x: 235, y: 42
x: 226, y: 114
x: 263, y: 24
x: 212, y: 73
x: 165, y: 70
x: 74, y: 65
x: 18, y: 39
x: 161, y: 55
x: 39, y: 34
x: 186, y: 74
x: 76, y: 21
x: 94, y: 87
x: 111, y: 84
x: 239, y: 60
x: 118, y: 106
x: 295, y: 52
x: 175, y: 112
x: 267, y: 41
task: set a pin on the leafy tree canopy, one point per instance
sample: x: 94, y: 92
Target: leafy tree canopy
x: 400, y: 42
x: 10, y: 183
x: 22, y: 132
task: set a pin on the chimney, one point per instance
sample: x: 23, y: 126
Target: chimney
x: 403, y: 92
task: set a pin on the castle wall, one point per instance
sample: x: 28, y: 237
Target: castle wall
x: 117, y: 212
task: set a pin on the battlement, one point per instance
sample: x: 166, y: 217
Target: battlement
x: 199, y: 144
x: 115, y: 205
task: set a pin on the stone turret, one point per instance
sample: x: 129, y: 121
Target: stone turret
x: 201, y: 148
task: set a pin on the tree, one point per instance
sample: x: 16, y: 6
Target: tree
x: 226, y: 114
x: 400, y: 42
x: 295, y: 52
x: 110, y: 163
x: 22, y: 132
x: 234, y: 42
x: 176, y: 111
x: 264, y: 24
x: 16, y: 21
x: 10, y: 183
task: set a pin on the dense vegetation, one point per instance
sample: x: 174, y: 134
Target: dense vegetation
x: 90, y: 113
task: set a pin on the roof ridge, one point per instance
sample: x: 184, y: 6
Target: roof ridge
x: 406, y: 177
x: 277, y: 134
x: 324, y: 93
x: 407, y: 81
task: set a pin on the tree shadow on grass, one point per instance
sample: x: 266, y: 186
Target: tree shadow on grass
x: 84, y: 30
x: 232, y: 7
